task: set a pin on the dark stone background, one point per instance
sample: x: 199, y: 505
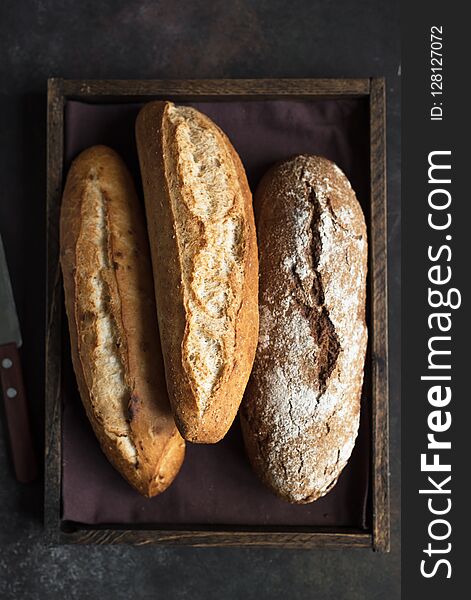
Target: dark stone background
x: 173, y: 39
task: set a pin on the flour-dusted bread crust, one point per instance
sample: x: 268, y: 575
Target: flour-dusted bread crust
x: 114, y: 336
x: 204, y: 254
x: 301, y: 409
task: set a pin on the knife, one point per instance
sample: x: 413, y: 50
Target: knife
x: 16, y: 408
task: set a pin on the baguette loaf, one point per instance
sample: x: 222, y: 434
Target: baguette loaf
x: 301, y: 409
x: 110, y: 304
x: 204, y: 254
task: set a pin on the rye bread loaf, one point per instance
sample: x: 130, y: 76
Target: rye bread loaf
x: 109, y: 297
x: 204, y: 253
x: 301, y: 409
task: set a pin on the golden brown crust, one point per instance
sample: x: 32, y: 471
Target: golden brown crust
x: 205, y: 398
x: 112, y: 321
x: 301, y: 409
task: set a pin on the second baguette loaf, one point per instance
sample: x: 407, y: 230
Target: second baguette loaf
x: 204, y: 254
x: 301, y: 410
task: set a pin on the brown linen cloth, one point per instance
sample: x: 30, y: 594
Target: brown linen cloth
x: 216, y: 484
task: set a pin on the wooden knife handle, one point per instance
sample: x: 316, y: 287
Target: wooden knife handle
x: 16, y: 411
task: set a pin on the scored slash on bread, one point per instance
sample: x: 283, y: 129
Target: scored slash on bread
x: 301, y: 410
x: 109, y: 296
x: 204, y: 254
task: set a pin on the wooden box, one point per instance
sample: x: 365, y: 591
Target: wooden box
x: 376, y: 534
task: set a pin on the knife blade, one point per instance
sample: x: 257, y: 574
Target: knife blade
x: 16, y: 408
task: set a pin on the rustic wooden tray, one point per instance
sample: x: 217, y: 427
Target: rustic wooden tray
x: 61, y: 90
